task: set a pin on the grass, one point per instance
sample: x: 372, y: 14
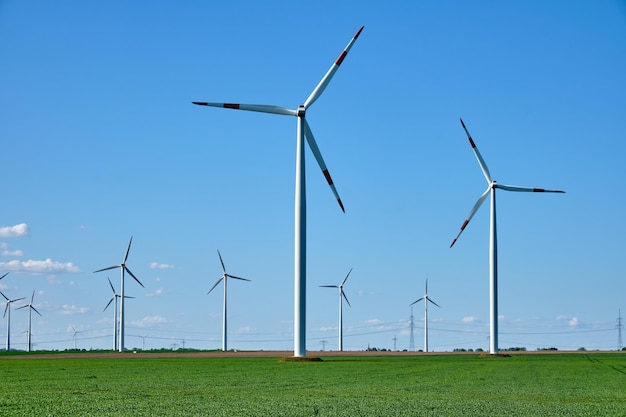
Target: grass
x: 589, y: 384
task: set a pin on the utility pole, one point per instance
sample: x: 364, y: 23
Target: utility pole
x: 395, y: 339
x: 323, y: 342
x: 412, y: 341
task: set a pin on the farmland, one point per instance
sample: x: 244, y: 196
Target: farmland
x: 567, y: 384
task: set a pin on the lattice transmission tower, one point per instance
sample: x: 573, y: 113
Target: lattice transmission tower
x: 412, y: 340
x: 620, y: 326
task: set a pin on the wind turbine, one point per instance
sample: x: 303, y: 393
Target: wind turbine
x: 114, y: 301
x: 123, y: 268
x: 302, y: 131
x: 342, y: 295
x: 75, y: 333
x: 493, y: 242
x: 426, y: 299
x: 224, y: 277
x: 7, y: 309
x: 30, y: 310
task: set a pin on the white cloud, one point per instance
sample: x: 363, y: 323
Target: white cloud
x: 70, y: 310
x: 374, y: 321
x: 149, y: 321
x: 8, y: 252
x: 40, y: 267
x: 14, y: 231
x: 15, y: 253
x: 469, y: 319
x: 244, y: 329
x: 156, y: 265
x: 158, y: 292
x: 573, y: 322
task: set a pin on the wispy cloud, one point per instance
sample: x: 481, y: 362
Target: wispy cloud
x: 14, y: 231
x: 157, y: 293
x: 40, y: 267
x: 156, y: 265
x: 470, y: 319
x: 70, y: 310
x: 150, y: 321
x: 6, y: 251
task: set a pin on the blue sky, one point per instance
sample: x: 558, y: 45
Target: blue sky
x: 100, y: 142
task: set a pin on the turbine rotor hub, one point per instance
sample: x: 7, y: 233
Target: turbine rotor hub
x: 301, y: 111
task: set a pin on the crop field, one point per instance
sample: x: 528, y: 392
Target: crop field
x: 563, y: 384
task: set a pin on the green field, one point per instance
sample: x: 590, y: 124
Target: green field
x: 577, y: 384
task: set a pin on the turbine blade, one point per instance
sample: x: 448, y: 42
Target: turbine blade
x: 215, y: 285
x: 19, y: 308
x: 5, y: 297
x: 32, y: 297
x: 472, y: 212
x: 108, y: 304
x: 133, y: 275
x: 112, y: 288
x: 416, y: 301
x: 346, y: 278
x: 345, y: 298
x: 106, y: 269
x: 5, y: 274
x: 128, y: 250
x: 36, y: 310
x: 128, y: 296
x: 221, y: 261
x: 434, y: 302
x: 481, y: 161
x: 262, y: 108
x: 5, y: 309
x: 318, y: 156
x: 232, y: 276
x: 426, y: 286
x: 317, y: 92
x: 329, y: 286
x: 525, y: 189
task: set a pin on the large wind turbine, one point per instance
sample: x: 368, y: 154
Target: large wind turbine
x: 114, y: 301
x: 302, y: 131
x: 123, y: 268
x: 493, y: 243
x: 342, y: 295
x: 426, y: 299
x: 7, y: 314
x: 224, y: 277
x: 30, y: 310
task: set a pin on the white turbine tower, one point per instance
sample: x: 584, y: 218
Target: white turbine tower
x: 124, y: 269
x: 303, y: 131
x: 30, y: 310
x: 493, y: 242
x: 224, y: 277
x: 426, y: 299
x: 342, y: 295
x: 114, y: 301
x: 7, y: 314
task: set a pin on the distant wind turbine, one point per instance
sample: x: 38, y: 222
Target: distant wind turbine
x: 123, y: 268
x: 303, y: 131
x: 115, y: 323
x: 30, y: 310
x: 75, y: 333
x: 224, y: 278
x: 426, y: 299
x: 342, y: 296
x: 493, y: 242
x: 7, y: 314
